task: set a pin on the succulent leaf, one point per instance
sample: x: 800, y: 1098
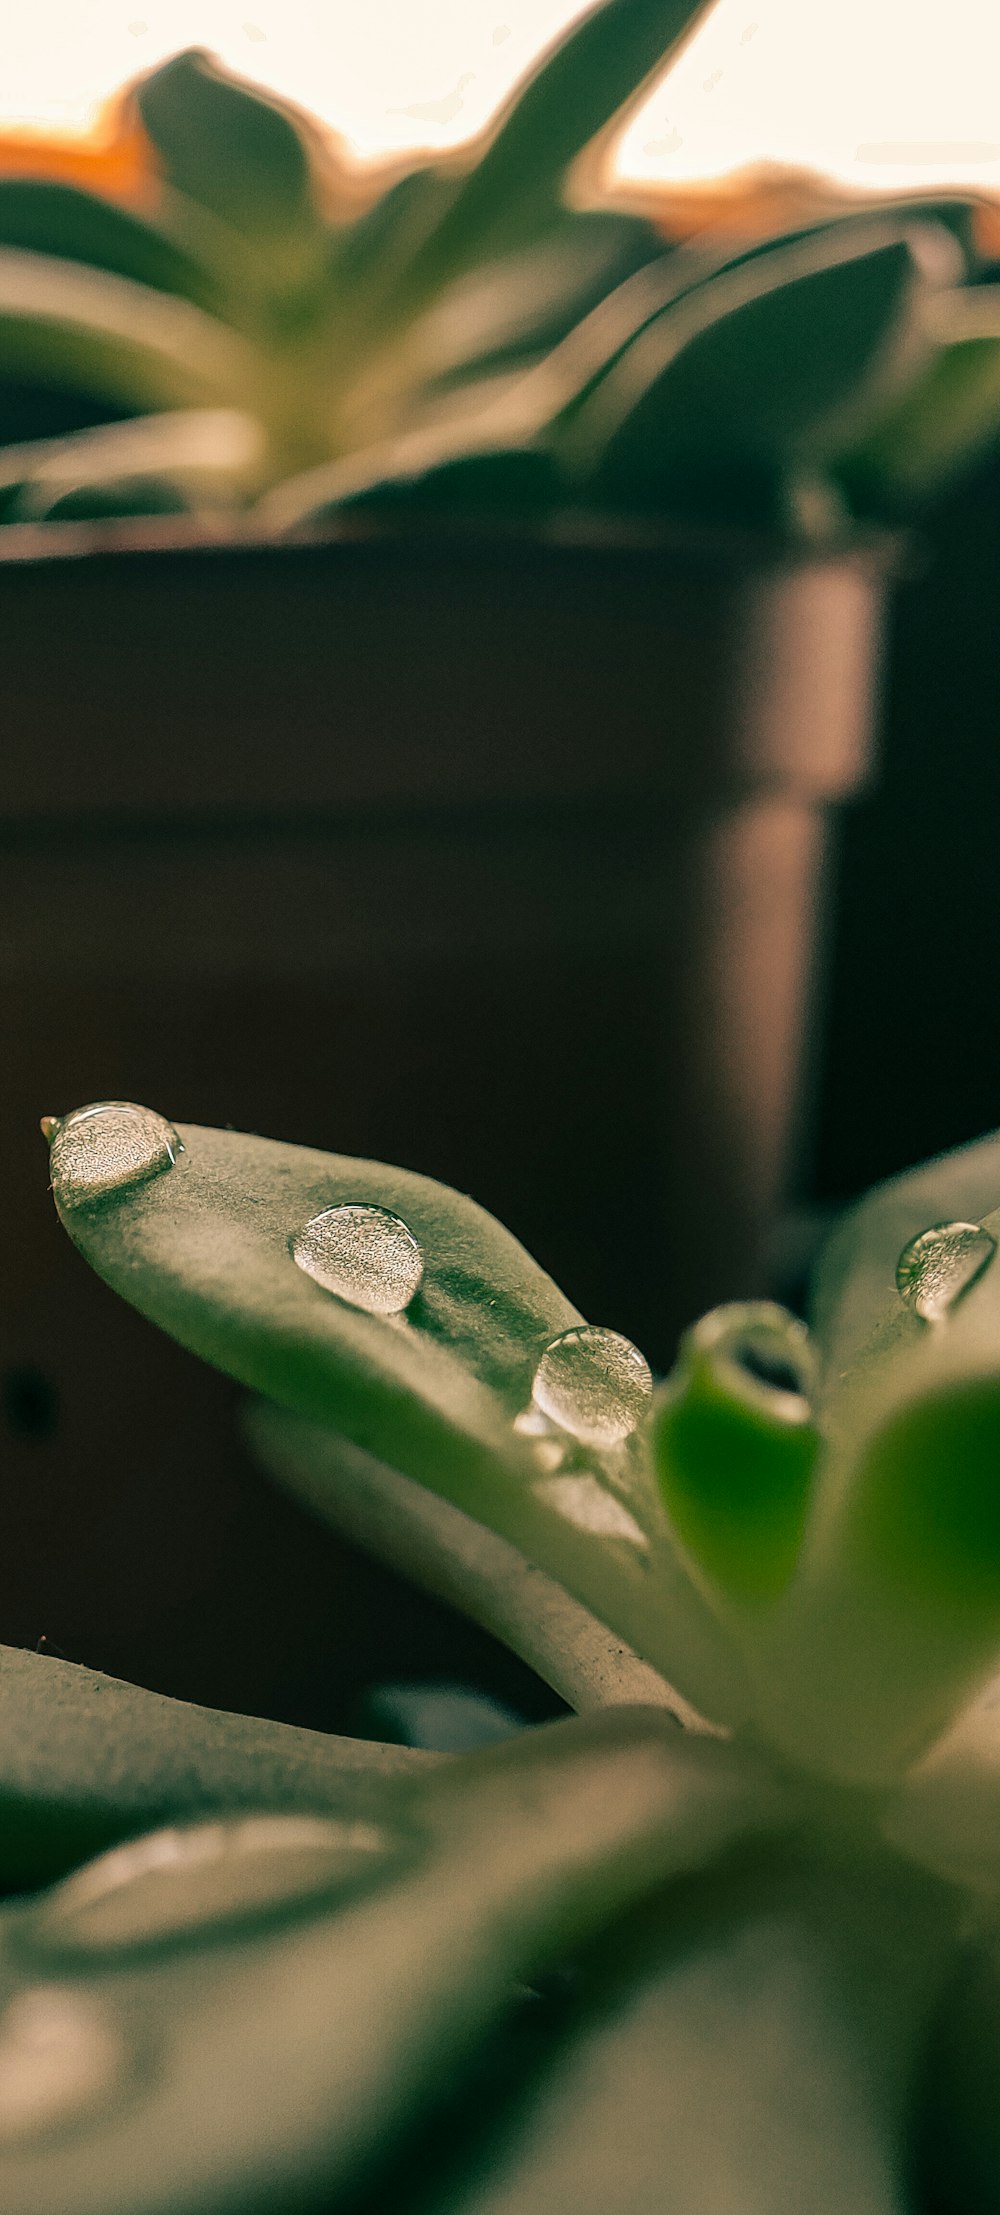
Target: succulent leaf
x: 457, y: 1559
x: 437, y: 1389
x: 39, y: 215
x: 235, y: 150
x: 88, y: 1761
x: 119, y: 340
x: 369, y: 2004
x: 512, y: 193
x: 203, y: 457
x: 736, y: 1448
x: 765, y: 367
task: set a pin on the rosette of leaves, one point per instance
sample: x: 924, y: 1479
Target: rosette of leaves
x: 727, y: 1937
x: 489, y: 335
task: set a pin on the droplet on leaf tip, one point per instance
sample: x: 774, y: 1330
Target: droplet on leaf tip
x: 106, y: 1147
x: 940, y: 1265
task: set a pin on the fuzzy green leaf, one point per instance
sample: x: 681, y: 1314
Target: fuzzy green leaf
x: 434, y: 1545
x: 86, y: 1761
x: 738, y: 2061
x: 370, y: 2009
x: 438, y: 1391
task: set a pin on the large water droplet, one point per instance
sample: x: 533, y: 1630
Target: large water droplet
x: 102, y: 1148
x: 59, y: 2057
x: 364, y: 1254
x: 594, y: 1384
x: 176, y: 1884
x: 938, y: 1266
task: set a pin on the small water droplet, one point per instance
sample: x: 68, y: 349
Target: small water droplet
x: 176, y: 1884
x: 59, y: 2056
x: 590, y: 1507
x: 100, y: 1149
x: 362, y: 1253
x: 594, y: 1384
x: 938, y: 1266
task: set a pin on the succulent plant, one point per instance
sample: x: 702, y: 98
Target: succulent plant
x: 490, y: 334
x: 725, y: 1939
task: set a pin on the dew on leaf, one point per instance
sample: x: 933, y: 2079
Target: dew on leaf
x: 106, y: 1147
x: 176, y: 1884
x: 364, y: 1254
x: 594, y: 1384
x: 60, y: 2056
x: 940, y: 1264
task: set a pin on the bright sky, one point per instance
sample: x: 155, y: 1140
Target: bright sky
x: 881, y: 92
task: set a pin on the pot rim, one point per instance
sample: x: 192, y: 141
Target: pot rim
x: 581, y: 535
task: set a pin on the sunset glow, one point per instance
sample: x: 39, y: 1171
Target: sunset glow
x: 865, y: 90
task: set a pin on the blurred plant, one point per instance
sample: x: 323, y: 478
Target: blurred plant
x: 743, y: 1950
x: 489, y: 333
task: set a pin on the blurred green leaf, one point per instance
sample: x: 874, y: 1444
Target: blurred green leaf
x: 747, y: 2051
x: 526, y: 302
x: 234, y: 149
x: 854, y: 1288
x: 441, y: 473
x: 512, y: 193
x: 86, y: 1761
x: 186, y: 460
x: 42, y: 216
x: 944, y: 425
x: 766, y: 367
x: 369, y: 2010
x: 736, y: 1447
x: 122, y: 341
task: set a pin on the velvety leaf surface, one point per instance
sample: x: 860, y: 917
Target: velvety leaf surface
x: 457, y: 1559
x: 745, y: 2061
x: 441, y: 1391
x: 216, y: 2101
x: 86, y: 1761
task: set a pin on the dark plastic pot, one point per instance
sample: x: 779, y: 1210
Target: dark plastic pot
x: 501, y: 858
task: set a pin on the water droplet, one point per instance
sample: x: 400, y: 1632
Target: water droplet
x: 364, y: 1254
x: 594, y: 1384
x: 587, y: 1504
x: 937, y: 1267
x: 99, y: 1149
x: 59, y: 2056
x: 176, y: 1884
x: 761, y: 1354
